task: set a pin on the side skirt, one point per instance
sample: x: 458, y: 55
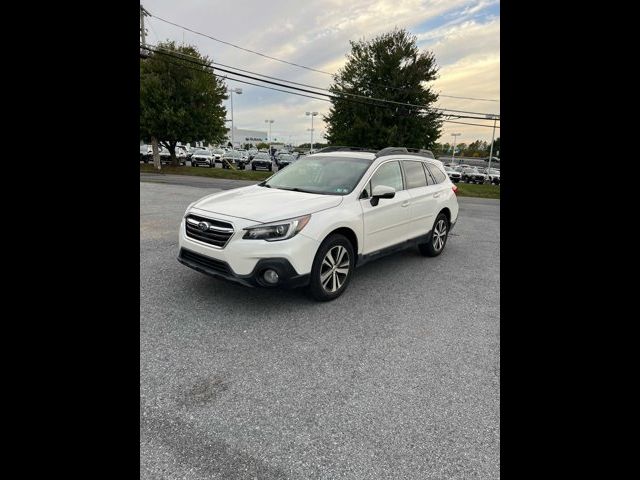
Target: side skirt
x: 364, y: 259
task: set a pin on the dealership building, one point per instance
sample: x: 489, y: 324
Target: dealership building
x: 241, y: 136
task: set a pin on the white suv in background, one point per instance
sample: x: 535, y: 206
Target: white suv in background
x: 315, y: 221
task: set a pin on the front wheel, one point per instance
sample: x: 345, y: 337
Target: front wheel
x: 332, y: 268
x: 438, y: 238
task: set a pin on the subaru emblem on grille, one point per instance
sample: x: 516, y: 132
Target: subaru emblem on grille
x: 204, y: 226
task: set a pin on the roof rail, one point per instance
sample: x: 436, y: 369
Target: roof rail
x: 405, y: 150
x: 338, y: 148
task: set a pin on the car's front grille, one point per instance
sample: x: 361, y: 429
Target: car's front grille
x: 213, y: 232
x: 206, y: 262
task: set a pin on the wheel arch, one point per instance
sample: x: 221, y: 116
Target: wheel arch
x: 349, y: 233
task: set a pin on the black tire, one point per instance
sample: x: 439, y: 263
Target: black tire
x: 211, y: 165
x: 435, y: 243
x: 318, y: 291
x: 253, y: 167
x: 270, y: 168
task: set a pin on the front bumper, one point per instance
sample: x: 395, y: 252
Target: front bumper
x: 261, y: 164
x: 243, y: 257
x: 287, y: 275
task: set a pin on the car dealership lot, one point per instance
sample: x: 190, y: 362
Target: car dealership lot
x: 397, y: 378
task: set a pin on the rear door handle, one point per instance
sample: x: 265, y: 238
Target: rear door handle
x: 405, y: 203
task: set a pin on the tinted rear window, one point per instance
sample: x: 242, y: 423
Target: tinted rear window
x: 415, y: 174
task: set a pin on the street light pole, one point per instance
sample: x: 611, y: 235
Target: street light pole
x: 312, y: 114
x: 269, y: 122
x: 453, y: 155
x: 232, y: 91
x: 493, y: 135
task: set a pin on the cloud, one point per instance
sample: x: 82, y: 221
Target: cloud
x: 464, y: 35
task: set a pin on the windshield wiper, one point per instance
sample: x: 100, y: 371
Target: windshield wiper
x: 264, y: 184
x: 296, y: 189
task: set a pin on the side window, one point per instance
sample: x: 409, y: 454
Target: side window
x: 437, y: 173
x: 430, y: 180
x: 388, y: 174
x: 415, y: 174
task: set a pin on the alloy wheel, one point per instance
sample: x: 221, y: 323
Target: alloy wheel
x: 334, y: 269
x: 439, y: 235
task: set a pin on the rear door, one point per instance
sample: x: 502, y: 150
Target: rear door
x: 421, y: 189
x: 386, y: 223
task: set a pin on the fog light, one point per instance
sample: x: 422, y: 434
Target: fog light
x: 270, y: 276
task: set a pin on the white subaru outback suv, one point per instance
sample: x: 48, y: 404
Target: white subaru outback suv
x: 312, y: 223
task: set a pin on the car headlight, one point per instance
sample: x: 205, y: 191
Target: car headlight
x: 274, y: 231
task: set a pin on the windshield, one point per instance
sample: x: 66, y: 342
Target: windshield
x: 219, y: 151
x: 285, y: 157
x: 261, y: 156
x: 325, y: 175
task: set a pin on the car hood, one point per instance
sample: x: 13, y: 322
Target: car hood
x: 263, y: 205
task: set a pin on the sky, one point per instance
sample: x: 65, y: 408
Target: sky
x: 464, y: 36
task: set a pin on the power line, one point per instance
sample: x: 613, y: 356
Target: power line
x: 237, y: 46
x: 334, y: 76
x: 226, y: 77
x: 331, y: 95
x: 468, y: 98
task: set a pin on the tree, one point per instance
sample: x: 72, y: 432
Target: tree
x: 179, y: 100
x: 496, y: 148
x: 262, y: 145
x: 479, y: 148
x: 389, y: 67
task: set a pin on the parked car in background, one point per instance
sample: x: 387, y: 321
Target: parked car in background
x: 454, y: 175
x: 284, y: 159
x: 146, y: 153
x: 181, y: 154
x: 203, y: 158
x: 252, y: 153
x: 472, y: 175
x: 236, y: 158
x: 493, y: 175
x: 261, y: 160
x: 217, y: 154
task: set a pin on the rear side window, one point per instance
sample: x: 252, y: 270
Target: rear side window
x: 388, y: 174
x: 414, y: 174
x: 437, y: 174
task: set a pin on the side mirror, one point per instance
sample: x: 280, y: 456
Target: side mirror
x: 381, y: 191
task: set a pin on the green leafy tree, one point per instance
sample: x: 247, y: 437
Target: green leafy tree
x: 179, y: 100
x: 262, y: 145
x: 389, y: 67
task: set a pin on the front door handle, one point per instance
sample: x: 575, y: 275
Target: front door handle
x: 436, y: 195
x: 405, y: 203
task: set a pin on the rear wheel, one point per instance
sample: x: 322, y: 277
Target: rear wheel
x: 332, y: 268
x: 270, y: 168
x: 253, y: 167
x: 438, y: 238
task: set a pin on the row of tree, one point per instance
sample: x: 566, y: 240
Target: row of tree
x: 181, y: 101
x: 479, y: 148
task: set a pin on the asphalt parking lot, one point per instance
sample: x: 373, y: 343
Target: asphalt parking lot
x: 399, y: 378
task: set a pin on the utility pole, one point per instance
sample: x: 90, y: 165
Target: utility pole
x: 453, y: 154
x: 493, y: 135
x: 142, y: 32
